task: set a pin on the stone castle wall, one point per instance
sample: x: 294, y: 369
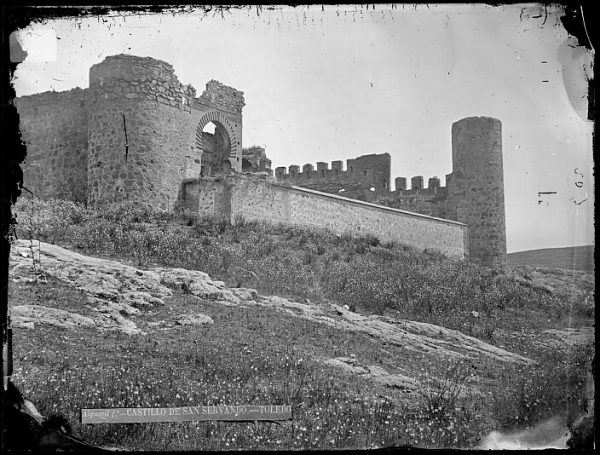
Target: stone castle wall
x: 476, y: 188
x: 134, y: 134
x: 473, y: 195
x: 365, y: 173
x: 261, y: 200
x: 137, y: 134
x: 54, y: 128
x: 141, y: 128
x: 428, y: 201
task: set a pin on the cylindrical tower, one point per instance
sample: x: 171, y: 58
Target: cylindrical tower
x: 477, y: 187
x: 141, y: 132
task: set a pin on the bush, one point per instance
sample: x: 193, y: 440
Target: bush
x: 211, y: 226
x: 441, y: 396
x: 346, y: 270
x: 48, y: 220
x: 526, y: 395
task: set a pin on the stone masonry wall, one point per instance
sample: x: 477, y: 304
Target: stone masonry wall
x: 476, y: 189
x: 220, y: 96
x: 428, y: 201
x: 207, y: 196
x: 380, y: 164
x: 54, y: 129
x: 135, y: 134
x: 141, y: 131
x: 254, y: 199
x: 362, y: 173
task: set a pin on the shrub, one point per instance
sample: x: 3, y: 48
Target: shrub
x: 370, y: 240
x: 346, y: 270
x: 441, y: 396
x: 211, y: 226
x: 532, y: 393
x: 49, y: 220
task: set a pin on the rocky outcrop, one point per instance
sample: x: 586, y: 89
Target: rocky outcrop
x: 376, y: 373
x: 410, y: 335
x: 119, y: 291
x: 115, y: 290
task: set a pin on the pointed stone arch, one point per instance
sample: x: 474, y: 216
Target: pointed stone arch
x: 219, y: 119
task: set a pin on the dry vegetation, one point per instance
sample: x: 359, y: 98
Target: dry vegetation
x: 257, y: 356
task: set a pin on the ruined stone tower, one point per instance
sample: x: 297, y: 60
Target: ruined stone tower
x: 135, y: 134
x: 135, y: 130
x: 476, y: 187
x: 473, y: 195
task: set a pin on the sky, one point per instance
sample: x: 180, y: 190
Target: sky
x: 324, y: 83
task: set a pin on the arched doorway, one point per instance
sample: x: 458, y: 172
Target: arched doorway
x: 217, y: 145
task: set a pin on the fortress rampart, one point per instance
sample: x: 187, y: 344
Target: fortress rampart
x: 138, y: 134
x: 365, y: 173
x: 134, y: 134
x: 473, y: 195
x: 260, y: 200
x: 54, y: 127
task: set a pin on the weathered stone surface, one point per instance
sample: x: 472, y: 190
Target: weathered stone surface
x: 25, y: 316
x: 201, y: 285
x: 570, y: 336
x: 118, y: 291
x: 376, y: 373
x: 137, y: 134
x: 101, y: 279
x: 256, y: 199
x: 194, y: 319
x: 410, y: 335
x: 129, y: 136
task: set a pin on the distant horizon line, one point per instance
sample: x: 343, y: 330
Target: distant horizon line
x: 553, y: 248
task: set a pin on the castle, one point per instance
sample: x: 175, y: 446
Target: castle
x: 138, y: 134
x: 473, y: 195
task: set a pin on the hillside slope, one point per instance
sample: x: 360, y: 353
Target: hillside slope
x: 371, y: 344
x: 185, y: 338
x: 570, y: 258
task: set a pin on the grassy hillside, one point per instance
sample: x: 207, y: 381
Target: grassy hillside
x: 571, y: 258
x: 253, y: 355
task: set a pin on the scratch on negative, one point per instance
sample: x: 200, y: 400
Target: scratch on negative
x: 126, y: 141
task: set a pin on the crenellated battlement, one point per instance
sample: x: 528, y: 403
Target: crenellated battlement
x: 370, y: 171
x: 321, y: 173
x: 417, y: 186
x: 137, y: 133
x: 476, y: 165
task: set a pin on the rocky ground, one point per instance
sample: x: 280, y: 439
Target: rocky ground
x: 119, y: 294
x: 108, y: 296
